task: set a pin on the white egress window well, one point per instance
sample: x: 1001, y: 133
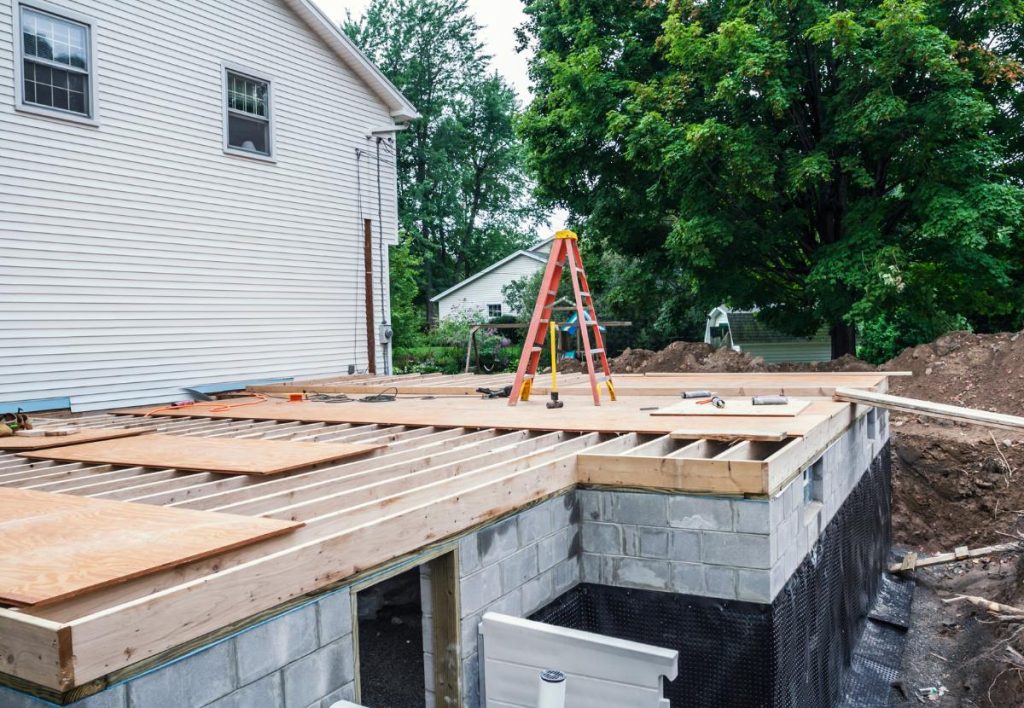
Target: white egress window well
x: 55, y: 63
x: 247, y: 114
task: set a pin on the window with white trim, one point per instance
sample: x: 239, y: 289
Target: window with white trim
x: 56, y: 61
x: 247, y: 119
x: 494, y: 310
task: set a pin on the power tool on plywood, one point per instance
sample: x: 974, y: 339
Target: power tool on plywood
x: 565, y: 251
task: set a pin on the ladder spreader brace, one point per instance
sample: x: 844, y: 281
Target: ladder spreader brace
x: 564, y: 250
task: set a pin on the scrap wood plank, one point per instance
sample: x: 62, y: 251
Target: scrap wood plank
x: 57, y: 546
x: 225, y: 455
x: 17, y: 442
x: 928, y: 408
x: 733, y: 407
x: 912, y: 561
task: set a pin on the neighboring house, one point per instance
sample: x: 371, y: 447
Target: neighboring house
x: 481, y: 296
x: 183, y: 191
x: 743, y: 332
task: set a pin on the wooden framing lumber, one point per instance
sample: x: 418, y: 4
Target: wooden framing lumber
x: 928, y: 408
x: 912, y: 561
x: 36, y: 650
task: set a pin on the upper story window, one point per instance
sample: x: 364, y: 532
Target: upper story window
x: 55, y: 63
x: 247, y: 121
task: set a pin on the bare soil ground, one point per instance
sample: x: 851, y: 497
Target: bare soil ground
x: 953, y: 485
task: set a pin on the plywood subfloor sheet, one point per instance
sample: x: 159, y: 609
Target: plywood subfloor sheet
x: 579, y: 414
x: 250, y: 457
x: 17, y: 442
x: 735, y: 407
x: 56, y: 546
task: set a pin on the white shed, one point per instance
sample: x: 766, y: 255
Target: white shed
x: 480, y: 295
x: 743, y: 332
x: 183, y: 189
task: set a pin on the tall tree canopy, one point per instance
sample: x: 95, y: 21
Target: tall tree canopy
x: 838, y: 163
x: 464, y: 197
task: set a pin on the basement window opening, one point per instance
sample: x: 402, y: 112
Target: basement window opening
x: 391, y: 657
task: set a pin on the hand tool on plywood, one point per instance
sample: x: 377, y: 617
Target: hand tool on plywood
x: 554, y: 402
x: 565, y: 251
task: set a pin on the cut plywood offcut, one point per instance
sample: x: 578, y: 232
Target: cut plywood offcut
x: 250, y: 457
x: 17, y: 442
x: 735, y: 407
x: 56, y: 546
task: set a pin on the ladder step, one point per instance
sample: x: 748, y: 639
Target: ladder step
x: 597, y: 351
x: 538, y: 348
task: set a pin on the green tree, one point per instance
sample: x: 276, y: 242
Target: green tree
x: 833, y: 163
x: 464, y: 196
x: 406, y: 320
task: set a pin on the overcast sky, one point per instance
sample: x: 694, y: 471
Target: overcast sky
x: 498, y: 20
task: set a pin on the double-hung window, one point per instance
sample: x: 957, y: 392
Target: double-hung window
x: 494, y: 311
x: 56, y: 63
x: 247, y: 114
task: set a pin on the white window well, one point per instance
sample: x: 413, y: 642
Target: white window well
x: 55, y: 63
x: 247, y: 110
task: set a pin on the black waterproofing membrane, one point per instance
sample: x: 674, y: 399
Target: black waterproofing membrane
x: 796, y: 652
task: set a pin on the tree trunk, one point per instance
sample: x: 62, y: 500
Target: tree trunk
x: 844, y: 340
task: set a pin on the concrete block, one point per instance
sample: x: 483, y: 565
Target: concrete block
x: 689, y: 512
x: 268, y: 691
x: 753, y: 585
x: 752, y: 516
x: 471, y: 634
x: 653, y: 542
x: 635, y: 508
x: 469, y: 555
x: 471, y: 681
x: 480, y: 589
x: 742, y: 550
x: 590, y: 504
x: 510, y: 604
x: 275, y: 643
x: 195, y: 680
x: 345, y: 693
x: 776, y: 510
x: 590, y: 568
x: 684, y: 545
x: 334, y: 616
x: 567, y: 575
x: 555, y: 548
x: 793, y: 496
x: 497, y: 541
x: 630, y: 541
x: 317, y: 675
x: 518, y: 568
x: 602, y: 538
x: 688, y: 578
x: 779, y: 577
x: 536, y: 523
x: 641, y: 573
x: 565, y: 510
x: 538, y: 592
x: 428, y: 632
x: 720, y: 581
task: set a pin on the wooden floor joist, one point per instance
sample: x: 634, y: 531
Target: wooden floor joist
x: 443, y: 466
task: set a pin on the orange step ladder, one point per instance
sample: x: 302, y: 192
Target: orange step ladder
x: 564, y: 251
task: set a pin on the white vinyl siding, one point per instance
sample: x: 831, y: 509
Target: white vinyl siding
x: 139, y: 258
x: 475, y: 297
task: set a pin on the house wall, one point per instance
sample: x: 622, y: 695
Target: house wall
x: 474, y: 298
x: 138, y: 258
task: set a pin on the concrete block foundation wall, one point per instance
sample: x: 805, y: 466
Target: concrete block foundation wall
x: 734, y: 549
x: 302, y: 658
x: 515, y: 567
